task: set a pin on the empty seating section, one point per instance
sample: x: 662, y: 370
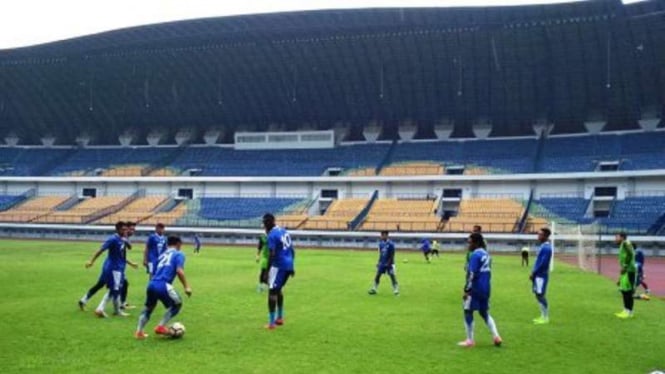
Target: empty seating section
x: 124, y: 171
x: 578, y: 153
x: 32, y: 209
x: 88, y: 160
x: 413, y: 168
x: 168, y: 218
x: 402, y: 215
x: 83, y: 211
x: 337, y: 216
x: 241, y: 208
x: 7, y: 201
x: 494, y: 215
x: 136, y: 211
x: 570, y: 209
x: 27, y: 161
x: 636, y: 213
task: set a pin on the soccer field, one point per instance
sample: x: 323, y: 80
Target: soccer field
x: 332, y: 324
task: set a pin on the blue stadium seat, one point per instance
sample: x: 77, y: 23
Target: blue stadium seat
x: 241, y: 208
x: 636, y: 213
x: 572, y: 209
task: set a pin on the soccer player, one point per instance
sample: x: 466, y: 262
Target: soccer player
x: 436, y: 247
x: 639, y: 263
x: 160, y: 288
x: 525, y: 256
x: 197, y: 244
x: 280, y: 263
x: 154, y: 247
x: 120, y: 228
x: 386, y: 264
x: 477, y: 290
x: 626, y: 280
x: 262, y: 258
x: 114, y: 266
x: 426, y: 248
x: 540, y: 275
x: 477, y: 229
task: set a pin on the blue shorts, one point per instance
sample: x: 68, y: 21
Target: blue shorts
x: 113, y: 279
x: 277, y: 278
x: 152, y: 267
x: 476, y: 303
x: 164, y: 292
x: 540, y: 285
x: 385, y: 269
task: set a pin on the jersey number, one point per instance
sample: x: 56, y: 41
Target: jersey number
x: 286, y: 241
x: 164, y: 260
x: 485, y: 264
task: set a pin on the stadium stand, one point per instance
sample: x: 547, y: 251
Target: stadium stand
x: 402, y: 215
x: 412, y: 168
x: 169, y: 217
x: 84, y: 211
x: 137, y: 211
x: 636, y: 213
x: 493, y: 214
x: 7, y: 201
x: 566, y: 209
x: 338, y: 215
x: 32, y: 209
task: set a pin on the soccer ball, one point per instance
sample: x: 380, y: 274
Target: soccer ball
x: 406, y: 260
x: 177, y: 330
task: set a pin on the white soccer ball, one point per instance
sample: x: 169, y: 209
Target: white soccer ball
x: 177, y: 330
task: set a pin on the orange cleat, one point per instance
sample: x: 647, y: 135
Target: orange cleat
x: 279, y: 321
x: 140, y: 335
x: 162, y: 330
x: 270, y: 326
x: 497, y: 341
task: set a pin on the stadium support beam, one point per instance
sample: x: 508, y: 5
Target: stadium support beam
x: 594, y: 127
x: 83, y: 140
x: 12, y: 140
x: 48, y: 140
x: 542, y: 125
x: 407, y: 129
x: 183, y: 136
x: 341, y: 131
x: 126, y: 139
x: 649, y: 124
x: 482, y: 128
x: 444, y: 128
x: 372, y: 131
x: 212, y: 136
x: 154, y: 137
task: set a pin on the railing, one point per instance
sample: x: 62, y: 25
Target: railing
x: 387, y: 158
x: 112, y: 209
x: 525, y: 214
x: 363, y: 213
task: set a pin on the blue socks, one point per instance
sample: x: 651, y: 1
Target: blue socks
x: 271, y: 317
x: 280, y: 313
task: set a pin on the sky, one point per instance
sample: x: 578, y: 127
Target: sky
x: 30, y: 22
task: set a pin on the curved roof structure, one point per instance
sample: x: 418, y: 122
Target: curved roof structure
x: 511, y: 66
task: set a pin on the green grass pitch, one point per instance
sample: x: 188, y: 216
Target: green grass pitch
x: 332, y: 325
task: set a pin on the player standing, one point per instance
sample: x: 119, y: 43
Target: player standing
x: 197, y: 244
x: 525, y: 256
x: 436, y: 247
x: 477, y: 229
x: 626, y: 281
x: 280, y: 263
x: 154, y: 247
x: 426, y: 248
x: 540, y: 275
x: 160, y: 288
x: 477, y: 290
x: 262, y: 258
x: 386, y: 264
x: 114, y: 266
x: 639, y: 263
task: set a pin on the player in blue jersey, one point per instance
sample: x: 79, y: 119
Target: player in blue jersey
x: 386, y: 263
x: 197, y: 244
x: 171, y: 264
x: 114, y: 266
x: 639, y: 263
x: 426, y: 247
x: 154, y: 246
x: 477, y: 290
x: 281, y: 268
x: 540, y: 275
x: 120, y: 230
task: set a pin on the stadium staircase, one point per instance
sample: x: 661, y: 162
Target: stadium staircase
x: 358, y: 220
x: 67, y: 204
x: 112, y: 209
x: 387, y: 159
x: 524, y: 220
x: 12, y: 201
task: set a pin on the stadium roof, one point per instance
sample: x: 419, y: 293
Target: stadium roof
x: 566, y: 63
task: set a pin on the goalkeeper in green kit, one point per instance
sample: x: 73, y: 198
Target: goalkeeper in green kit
x: 628, y: 274
x: 262, y: 257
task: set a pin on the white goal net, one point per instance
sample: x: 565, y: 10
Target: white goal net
x: 577, y: 243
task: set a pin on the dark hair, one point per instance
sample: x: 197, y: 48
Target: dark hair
x: 268, y: 217
x: 477, y: 238
x: 173, y: 240
x: 477, y: 228
x: 547, y: 232
x: 119, y: 225
x: 131, y: 223
x: 159, y: 226
x: 622, y: 234
x: 384, y: 232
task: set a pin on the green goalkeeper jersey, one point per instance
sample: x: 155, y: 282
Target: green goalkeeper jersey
x: 265, y: 252
x: 627, y: 257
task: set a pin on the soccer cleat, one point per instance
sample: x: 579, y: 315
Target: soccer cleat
x: 466, y: 343
x: 120, y: 313
x: 623, y: 314
x: 162, y: 330
x: 541, y: 321
x: 372, y: 292
x: 127, y: 306
x: 270, y: 326
x: 396, y: 292
x: 82, y: 306
x: 497, y: 341
x: 100, y: 313
x: 140, y: 335
x: 279, y: 321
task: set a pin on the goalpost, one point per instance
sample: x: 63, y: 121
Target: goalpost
x: 576, y: 243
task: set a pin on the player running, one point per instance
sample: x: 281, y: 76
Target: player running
x: 114, y: 266
x: 540, y: 275
x: 426, y: 247
x: 477, y: 290
x: 160, y: 288
x: 386, y: 264
x: 639, y: 263
x: 262, y: 258
x: 627, y: 276
x: 436, y: 247
x: 154, y: 247
x: 280, y: 263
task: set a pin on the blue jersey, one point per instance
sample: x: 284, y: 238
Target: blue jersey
x: 480, y: 274
x: 197, y: 241
x: 639, y: 259
x: 425, y: 245
x: 156, y: 245
x: 281, y: 249
x: 542, y: 266
x: 169, y: 262
x: 116, y: 258
x: 386, y: 253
